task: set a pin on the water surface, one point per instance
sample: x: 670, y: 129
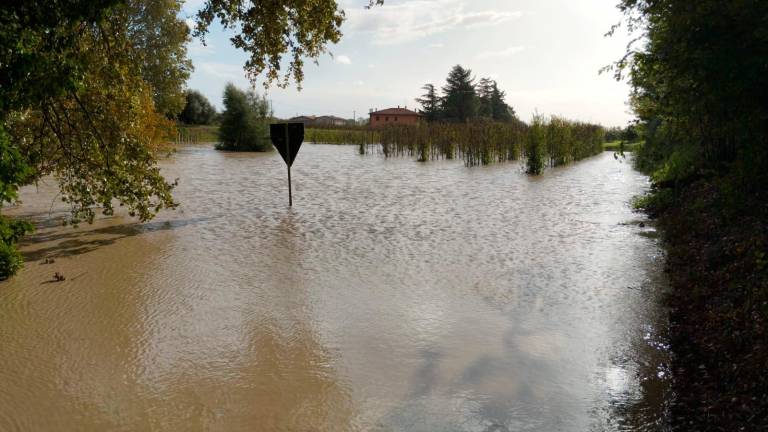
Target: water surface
x: 393, y: 296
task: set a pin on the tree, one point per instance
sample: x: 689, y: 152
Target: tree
x: 269, y: 30
x: 86, y: 86
x: 698, y: 82
x: 430, y: 103
x: 198, y: 110
x: 500, y: 111
x: 160, y: 38
x: 460, y: 99
x: 484, y: 98
x: 244, y: 121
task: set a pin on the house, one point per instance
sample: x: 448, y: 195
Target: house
x: 330, y: 121
x: 307, y: 120
x: 319, y: 120
x: 393, y: 116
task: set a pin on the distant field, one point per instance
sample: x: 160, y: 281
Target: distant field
x: 615, y: 145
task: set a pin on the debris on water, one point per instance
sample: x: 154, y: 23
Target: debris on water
x: 642, y: 224
x: 49, y: 261
x: 58, y: 277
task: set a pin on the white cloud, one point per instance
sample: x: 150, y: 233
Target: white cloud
x: 488, y: 18
x: 196, y: 48
x: 415, y: 19
x: 499, y: 54
x: 226, y: 71
x: 436, y: 45
x: 343, y: 59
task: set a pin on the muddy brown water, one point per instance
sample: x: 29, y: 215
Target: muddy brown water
x: 393, y: 296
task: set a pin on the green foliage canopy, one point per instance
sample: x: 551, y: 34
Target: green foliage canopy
x: 698, y: 72
x: 268, y: 30
x: 198, y: 110
x: 159, y: 40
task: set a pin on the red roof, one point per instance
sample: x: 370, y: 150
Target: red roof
x: 395, y: 111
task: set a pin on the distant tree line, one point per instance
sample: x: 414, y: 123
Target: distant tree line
x: 463, y: 100
x: 628, y: 133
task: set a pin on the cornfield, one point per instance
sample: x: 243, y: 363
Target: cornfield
x: 546, y: 142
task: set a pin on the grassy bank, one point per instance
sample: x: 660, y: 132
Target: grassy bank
x: 717, y: 243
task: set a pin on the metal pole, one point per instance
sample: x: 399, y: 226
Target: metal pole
x: 290, y: 198
x: 288, y: 151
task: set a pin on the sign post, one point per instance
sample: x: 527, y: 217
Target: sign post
x: 287, y: 139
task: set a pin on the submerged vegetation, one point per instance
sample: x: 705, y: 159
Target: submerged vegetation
x: 472, y: 122
x: 348, y: 135
x: 191, y: 134
x: 546, y: 142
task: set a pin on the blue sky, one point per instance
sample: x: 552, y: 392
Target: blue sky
x: 544, y: 53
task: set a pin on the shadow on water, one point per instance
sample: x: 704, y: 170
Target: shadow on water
x: 78, y: 242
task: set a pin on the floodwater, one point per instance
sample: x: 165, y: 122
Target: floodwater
x: 393, y: 296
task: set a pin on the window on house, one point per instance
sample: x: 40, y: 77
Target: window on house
x: 378, y: 118
x: 395, y: 118
x: 386, y: 118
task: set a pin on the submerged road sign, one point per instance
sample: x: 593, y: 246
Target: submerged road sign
x: 287, y: 139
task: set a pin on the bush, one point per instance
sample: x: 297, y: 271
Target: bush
x: 13, y: 172
x: 198, y: 110
x: 245, y: 121
x: 11, y: 232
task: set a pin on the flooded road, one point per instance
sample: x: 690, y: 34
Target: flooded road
x: 393, y: 296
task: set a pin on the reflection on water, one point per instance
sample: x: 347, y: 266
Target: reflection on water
x: 394, y: 296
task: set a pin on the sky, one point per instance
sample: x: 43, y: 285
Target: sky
x: 546, y: 55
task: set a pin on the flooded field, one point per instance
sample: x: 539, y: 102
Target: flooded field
x: 393, y: 296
